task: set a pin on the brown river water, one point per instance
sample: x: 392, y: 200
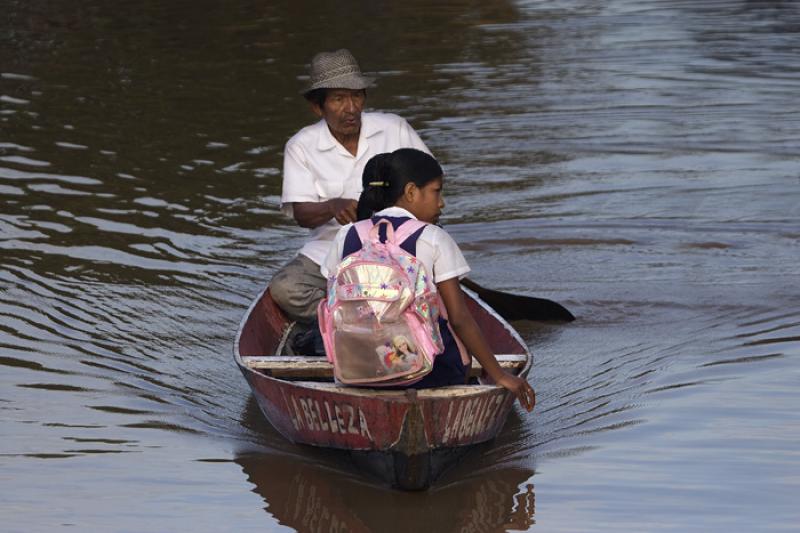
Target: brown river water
x: 636, y: 161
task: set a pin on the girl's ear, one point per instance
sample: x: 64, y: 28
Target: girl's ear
x: 410, y: 191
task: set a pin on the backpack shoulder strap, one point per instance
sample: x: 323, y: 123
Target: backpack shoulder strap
x: 407, y: 229
x: 375, y: 234
x: 352, y: 242
x: 367, y: 230
x: 362, y: 228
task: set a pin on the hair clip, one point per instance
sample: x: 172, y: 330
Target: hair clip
x: 378, y: 184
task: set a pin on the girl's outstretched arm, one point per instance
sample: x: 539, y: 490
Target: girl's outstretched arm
x: 467, y: 330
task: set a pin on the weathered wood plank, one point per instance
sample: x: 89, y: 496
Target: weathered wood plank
x: 442, y: 393
x: 300, y: 367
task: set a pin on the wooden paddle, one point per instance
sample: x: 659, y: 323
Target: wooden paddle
x: 518, y: 307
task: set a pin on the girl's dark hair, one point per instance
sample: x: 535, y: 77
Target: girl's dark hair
x: 386, y: 175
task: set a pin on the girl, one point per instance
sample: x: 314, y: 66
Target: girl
x: 407, y: 183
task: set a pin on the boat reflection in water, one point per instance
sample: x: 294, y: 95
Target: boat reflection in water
x: 317, y: 498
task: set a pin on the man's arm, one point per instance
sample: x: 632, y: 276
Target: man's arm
x: 315, y: 214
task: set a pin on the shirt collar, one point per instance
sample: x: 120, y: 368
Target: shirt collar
x: 394, y: 211
x: 369, y: 128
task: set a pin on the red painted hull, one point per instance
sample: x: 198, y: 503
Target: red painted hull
x: 408, y: 437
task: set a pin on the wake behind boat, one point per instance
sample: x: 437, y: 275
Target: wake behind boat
x: 405, y: 437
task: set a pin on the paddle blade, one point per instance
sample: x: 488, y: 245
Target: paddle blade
x: 519, y: 307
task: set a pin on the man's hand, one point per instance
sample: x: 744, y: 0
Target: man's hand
x: 343, y: 210
x: 314, y: 214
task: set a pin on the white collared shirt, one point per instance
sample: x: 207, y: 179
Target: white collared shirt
x: 435, y: 248
x: 316, y: 167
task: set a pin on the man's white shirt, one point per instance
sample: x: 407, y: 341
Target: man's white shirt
x: 316, y: 168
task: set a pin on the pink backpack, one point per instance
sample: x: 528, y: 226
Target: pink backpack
x: 380, y: 322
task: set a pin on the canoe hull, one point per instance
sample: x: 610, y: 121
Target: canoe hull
x: 406, y: 437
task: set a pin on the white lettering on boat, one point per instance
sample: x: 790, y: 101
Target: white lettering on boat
x: 468, y: 422
x: 480, y: 413
x: 339, y: 418
x: 328, y: 417
x: 307, y: 413
x: 351, y: 428
x: 469, y: 418
x: 362, y: 423
x: 333, y: 421
x: 323, y: 423
x: 297, y: 422
x: 454, y: 424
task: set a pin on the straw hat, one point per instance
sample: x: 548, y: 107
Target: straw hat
x: 336, y: 70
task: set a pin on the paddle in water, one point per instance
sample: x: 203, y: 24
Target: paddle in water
x: 518, y: 307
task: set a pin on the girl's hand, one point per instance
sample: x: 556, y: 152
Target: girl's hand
x: 521, y: 389
x: 464, y: 326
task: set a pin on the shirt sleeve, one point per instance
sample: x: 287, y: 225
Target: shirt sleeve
x: 298, y: 180
x: 448, y: 261
x: 410, y: 138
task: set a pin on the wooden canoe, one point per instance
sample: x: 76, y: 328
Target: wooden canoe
x: 406, y: 437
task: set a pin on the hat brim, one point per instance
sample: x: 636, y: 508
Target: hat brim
x: 347, y: 81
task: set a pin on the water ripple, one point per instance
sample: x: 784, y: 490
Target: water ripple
x: 635, y: 161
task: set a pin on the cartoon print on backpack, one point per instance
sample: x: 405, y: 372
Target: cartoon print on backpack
x: 399, y: 355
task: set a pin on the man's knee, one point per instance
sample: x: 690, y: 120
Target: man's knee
x: 291, y: 294
x: 281, y: 284
x: 297, y: 289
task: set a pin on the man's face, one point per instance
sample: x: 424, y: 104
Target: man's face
x: 342, y: 111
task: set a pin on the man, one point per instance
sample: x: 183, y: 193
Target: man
x: 322, y: 170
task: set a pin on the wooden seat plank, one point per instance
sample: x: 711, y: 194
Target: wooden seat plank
x: 302, y: 367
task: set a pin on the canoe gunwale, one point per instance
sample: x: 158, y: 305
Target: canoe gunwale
x: 246, y: 369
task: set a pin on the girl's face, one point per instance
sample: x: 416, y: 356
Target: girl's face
x: 426, y: 203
